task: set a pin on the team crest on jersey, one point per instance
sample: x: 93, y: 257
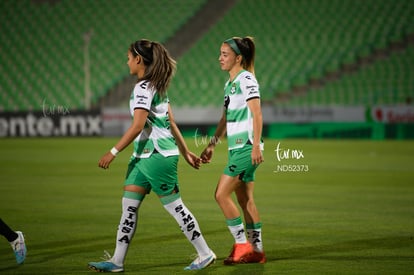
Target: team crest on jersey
x: 233, y: 88
x: 239, y: 141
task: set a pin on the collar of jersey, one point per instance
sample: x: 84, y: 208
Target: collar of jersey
x: 241, y: 71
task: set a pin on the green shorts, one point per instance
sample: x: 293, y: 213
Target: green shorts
x: 240, y: 164
x: 157, y: 173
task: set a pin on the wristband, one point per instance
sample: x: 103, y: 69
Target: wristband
x: 114, y: 151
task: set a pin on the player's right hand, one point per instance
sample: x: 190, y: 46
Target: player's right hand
x: 106, y: 160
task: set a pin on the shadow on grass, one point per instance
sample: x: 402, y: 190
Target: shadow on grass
x: 46, y: 251
x: 42, y: 252
x: 317, y: 252
x: 216, y: 268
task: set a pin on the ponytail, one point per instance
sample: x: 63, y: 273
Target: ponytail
x: 160, y: 66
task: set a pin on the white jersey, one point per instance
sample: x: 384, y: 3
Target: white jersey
x: 238, y: 116
x: 156, y: 134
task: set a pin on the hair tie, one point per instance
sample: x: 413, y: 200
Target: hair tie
x: 139, y: 51
x: 135, y: 50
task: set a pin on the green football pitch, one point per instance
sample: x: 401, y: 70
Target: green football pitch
x: 327, y: 207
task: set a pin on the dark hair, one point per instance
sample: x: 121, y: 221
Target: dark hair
x: 160, y: 66
x: 247, y: 51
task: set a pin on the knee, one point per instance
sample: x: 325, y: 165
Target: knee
x: 217, y: 196
x: 220, y: 197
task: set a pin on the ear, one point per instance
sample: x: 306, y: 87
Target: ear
x: 239, y: 58
x: 138, y: 59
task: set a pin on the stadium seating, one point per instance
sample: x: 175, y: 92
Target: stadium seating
x: 386, y: 81
x: 298, y: 41
x: 42, y: 46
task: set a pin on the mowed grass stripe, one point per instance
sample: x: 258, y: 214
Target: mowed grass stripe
x: 350, y: 213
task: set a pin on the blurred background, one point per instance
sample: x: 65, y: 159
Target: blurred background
x: 326, y: 68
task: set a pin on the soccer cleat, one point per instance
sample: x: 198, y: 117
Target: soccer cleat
x: 106, y: 266
x: 19, y: 248
x: 199, y: 263
x: 238, y: 254
x: 255, y: 257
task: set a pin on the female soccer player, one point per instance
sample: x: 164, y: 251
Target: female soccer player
x: 153, y: 165
x: 242, y: 119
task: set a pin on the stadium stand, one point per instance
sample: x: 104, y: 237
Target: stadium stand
x: 319, y: 52
x: 43, y: 46
x: 301, y: 43
x: 386, y: 81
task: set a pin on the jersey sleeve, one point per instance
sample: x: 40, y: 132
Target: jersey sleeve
x: 142, y: 97
x: 249, y: 87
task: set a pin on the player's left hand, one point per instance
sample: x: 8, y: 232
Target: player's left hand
x: 257, y: 156
x: 193, y: 160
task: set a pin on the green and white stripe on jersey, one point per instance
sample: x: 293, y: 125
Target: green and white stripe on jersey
x: 156, y: 134
x: 238, y: 116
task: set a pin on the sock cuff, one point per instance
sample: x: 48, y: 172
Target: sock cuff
x: 254, y: 225
x: 133, y: 195
x: 170, y: 198
x: 233, y: 222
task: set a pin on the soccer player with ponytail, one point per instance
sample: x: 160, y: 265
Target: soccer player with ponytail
x: 153, y: 165
x: 242, y: 121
